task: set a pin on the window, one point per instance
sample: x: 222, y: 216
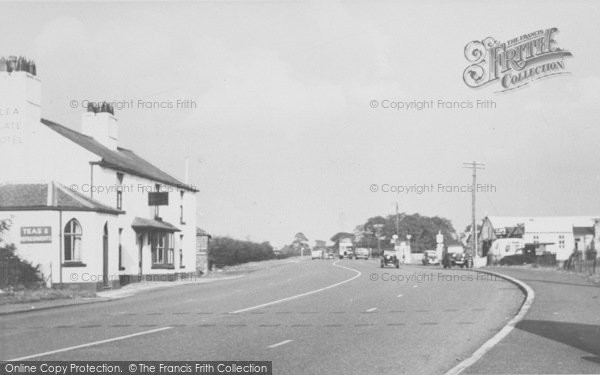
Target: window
x: 162, y: 248
x: 119, y: 190
x: 536, y: 239
x: 72, y: 240
x: 561, y: 241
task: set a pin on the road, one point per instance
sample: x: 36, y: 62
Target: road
x: 308, y: 317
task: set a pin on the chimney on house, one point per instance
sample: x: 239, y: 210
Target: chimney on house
x: 20, y: 92
x: 100, y: 123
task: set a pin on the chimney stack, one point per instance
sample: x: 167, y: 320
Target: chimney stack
x: 100, y: 123
x: 20, y: 93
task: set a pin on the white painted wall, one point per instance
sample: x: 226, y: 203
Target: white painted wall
x: 39, y: 154
x: 561, y: 253
x: 50, y: 256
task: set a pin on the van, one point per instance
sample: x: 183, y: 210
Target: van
x: 506, y: 246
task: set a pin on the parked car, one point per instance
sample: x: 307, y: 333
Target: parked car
x: 430, y: 257
x: 316, y: 254
x: 362, y: 253
x: 454, y: 255
x: 389, y: 258
x: 525, y: 255
x: 460, y: 259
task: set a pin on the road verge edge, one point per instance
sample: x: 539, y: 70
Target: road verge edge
x: 488, y: 345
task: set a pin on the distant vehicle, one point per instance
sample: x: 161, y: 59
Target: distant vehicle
x: 505, y: 247
x: 346, y: 250
x: 454, y: 256
x: 526, y: 255
x: 316, y: 254
x: 389, y: 258
x: 460, y: 259
x: 330, y: 255
x: 430, y: 257
x: 362, y: 253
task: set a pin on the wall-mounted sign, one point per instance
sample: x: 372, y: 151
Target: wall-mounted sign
x: 36, y: 234
x: 158, y: 199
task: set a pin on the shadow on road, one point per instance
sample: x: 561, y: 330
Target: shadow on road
x: 585, y: 337
x: 560, y: 282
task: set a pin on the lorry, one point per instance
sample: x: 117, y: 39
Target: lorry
x: 346, y: 249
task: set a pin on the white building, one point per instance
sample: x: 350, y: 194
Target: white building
x: 562, y: 233
x: 103, y: 213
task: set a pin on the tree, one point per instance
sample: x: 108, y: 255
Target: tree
x: 300, y: 243
x: 422, y: 229
x: 14, y: 271
x: 340, y: 235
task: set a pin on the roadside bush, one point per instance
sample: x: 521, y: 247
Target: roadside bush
x: 16, y: 272
x: 226, y: 251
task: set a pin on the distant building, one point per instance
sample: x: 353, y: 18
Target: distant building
x: 202, y: 254
x: 88, y: 211
x: 562, y: 233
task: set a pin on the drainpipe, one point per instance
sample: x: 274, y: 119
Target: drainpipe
x: 92, y: 179
x: 60, y: 246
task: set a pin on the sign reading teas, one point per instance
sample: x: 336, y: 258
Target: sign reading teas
x: 36, y: 234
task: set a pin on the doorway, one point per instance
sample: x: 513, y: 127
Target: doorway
x: 105, y: 281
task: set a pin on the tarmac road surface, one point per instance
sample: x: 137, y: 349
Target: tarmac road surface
x: 308, y: 317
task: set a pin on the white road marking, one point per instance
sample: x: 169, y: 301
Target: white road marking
x: 399, y: 295
x: 530, y: 295
x: 414, y: 286
x: 279, y: 344
x: 372, y: 309
x: 90, y: 344
x: 303, y: 294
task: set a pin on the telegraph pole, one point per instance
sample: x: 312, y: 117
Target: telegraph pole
x: 474, y: 166
x: 396, y: 217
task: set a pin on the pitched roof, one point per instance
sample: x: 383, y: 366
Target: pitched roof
x: 543, y: 224
x: 141, y: 223
x: 48, y: 196
x: 121, y: 159
x: 201, y: 232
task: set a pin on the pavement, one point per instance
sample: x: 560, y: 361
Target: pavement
x: 560, y: 334
x: 309, y: 317
x: 107, y: 295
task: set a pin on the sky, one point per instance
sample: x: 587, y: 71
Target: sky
x: 283, y: 136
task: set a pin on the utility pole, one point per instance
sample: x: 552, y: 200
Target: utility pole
x: 396, y: 218
x: 474, y: 166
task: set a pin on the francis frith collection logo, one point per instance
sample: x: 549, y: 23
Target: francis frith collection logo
x: 514, y: 63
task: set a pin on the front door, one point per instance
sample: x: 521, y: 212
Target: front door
x: 105, y: 282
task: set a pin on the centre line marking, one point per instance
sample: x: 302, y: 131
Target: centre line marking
x: 279, y: 344
x: 372, y: 309
x: 89, y: 344
x: 399, y: 295
x: 303, y: 294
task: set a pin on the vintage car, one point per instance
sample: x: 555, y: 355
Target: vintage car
x: 526, y: 255
x: 362, y: 253
x: 430, y: 257
x: 389, y: 258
